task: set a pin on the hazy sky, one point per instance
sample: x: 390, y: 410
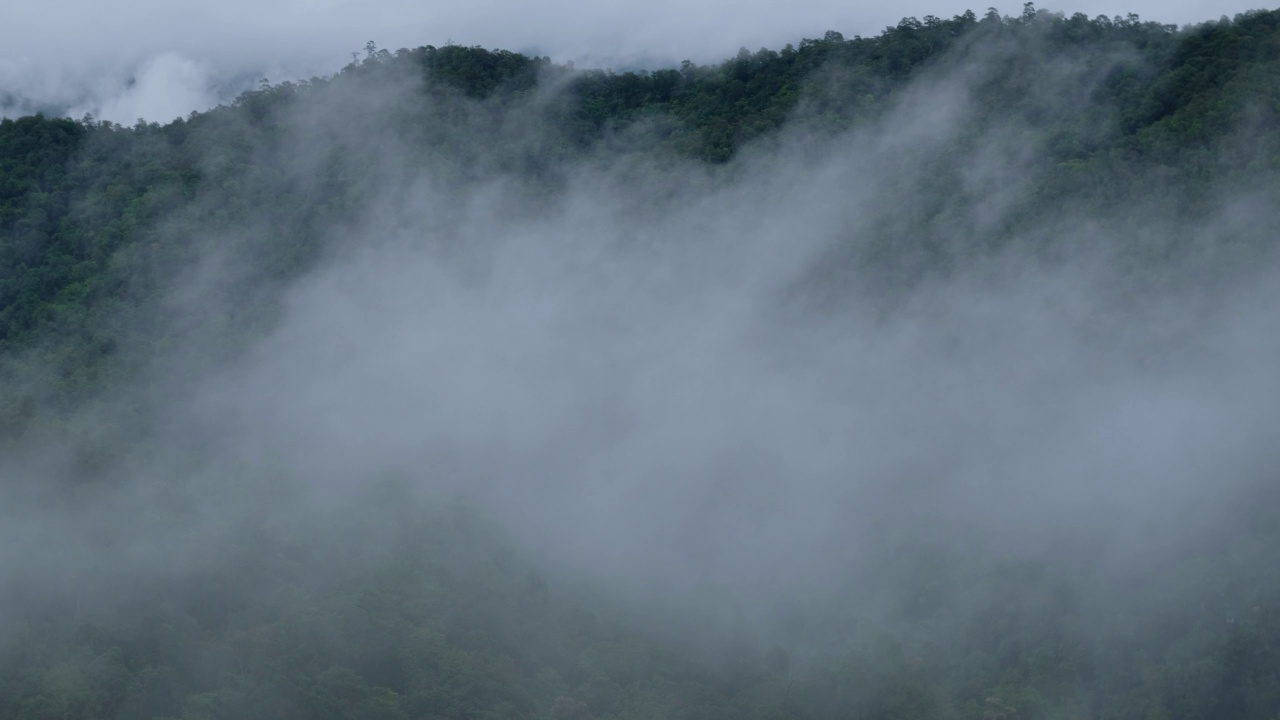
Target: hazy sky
x: 81, y: 56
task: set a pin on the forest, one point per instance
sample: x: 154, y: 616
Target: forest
x: 923, y: 375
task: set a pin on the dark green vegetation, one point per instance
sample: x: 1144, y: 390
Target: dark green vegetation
x: 432, y: 613
x: 82, y: 202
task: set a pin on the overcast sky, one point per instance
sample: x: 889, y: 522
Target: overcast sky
x: 81, y: 55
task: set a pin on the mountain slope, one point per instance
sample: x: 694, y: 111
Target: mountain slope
x: 272, y: 377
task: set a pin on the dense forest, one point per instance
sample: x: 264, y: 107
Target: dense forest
x: 306, y: 400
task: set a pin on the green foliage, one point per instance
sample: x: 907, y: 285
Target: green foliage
x: 99, y: 222
x: 434, y: 615
x: 96, y: 216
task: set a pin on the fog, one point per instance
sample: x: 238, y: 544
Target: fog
x: 152, y: 60
x: 647, y: 392
x: 704, y: 386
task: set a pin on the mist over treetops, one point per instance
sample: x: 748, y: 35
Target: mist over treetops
x: 922, y: 375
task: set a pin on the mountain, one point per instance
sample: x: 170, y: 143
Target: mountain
x: 924, y: 375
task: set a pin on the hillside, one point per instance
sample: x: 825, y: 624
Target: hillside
x: 923, y: 375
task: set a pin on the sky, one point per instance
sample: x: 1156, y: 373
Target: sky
x: 160, y: 60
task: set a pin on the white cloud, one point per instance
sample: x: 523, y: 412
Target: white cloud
x: 166, y: 87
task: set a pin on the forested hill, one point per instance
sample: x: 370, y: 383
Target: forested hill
x: 80, y: 199
x: 158, y: 561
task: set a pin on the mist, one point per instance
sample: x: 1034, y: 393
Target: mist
x: 740, y: 398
